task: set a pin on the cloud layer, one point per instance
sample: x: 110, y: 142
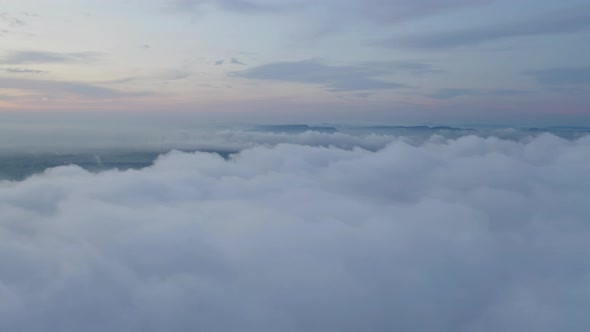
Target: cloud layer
x: 470, y: 234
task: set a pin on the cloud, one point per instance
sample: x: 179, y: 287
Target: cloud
x: 566, y: 75
x: 236, y: 61
x: 396, y: 11
x: 140, y: 134
x: 363, y: 95
x: 334, y: 78
x: 244, y: 6
x: 377, y: 11
x: 416, y: 68
x: 454, y: 235
x: 38, y: 57
x: 22, y: 71
x: 62, y: 87
x: 172, y: 75
x: 11, y: 20
x: 559, y: 22
x: 159, y: 77
x: 450, y: 93
x: 51, y: 137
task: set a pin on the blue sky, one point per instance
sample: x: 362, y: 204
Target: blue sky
x: 402, y: 61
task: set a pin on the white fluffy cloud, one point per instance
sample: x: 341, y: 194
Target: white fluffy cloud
x: 470, y: 234
x: 223, y: 140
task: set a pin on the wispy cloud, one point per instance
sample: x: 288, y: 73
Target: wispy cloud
x: 22, y: 71
x: 395, y: 11
x: 11, y: 20
x: 566, y: 21
x: 414, y: 68
x: 565, y: 75
x: 334, y: 78
x: 379, y: 11
x: 450, y: 93
x: 38, y: 57
x: 63, y: 88
x: 235, y: 61
x: 172, y: 75
x: 159, y: 77
x: 244, y: 6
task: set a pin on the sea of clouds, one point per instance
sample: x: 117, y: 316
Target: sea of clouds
x: 372, y: 234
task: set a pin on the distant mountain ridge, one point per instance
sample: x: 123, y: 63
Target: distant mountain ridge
x: 295, y: 128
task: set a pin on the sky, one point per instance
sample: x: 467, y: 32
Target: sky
x: 520, y: 62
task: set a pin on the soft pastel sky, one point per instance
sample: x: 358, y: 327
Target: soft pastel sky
x: 451, y: 61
